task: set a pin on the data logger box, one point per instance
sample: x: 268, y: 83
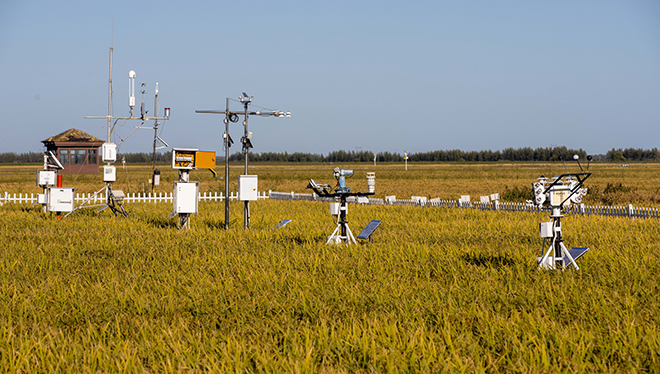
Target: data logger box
x: 61, y: 199
x: 247, y: 188
x: 191, y: 158
x: 186, y: 196
x: 109, y: 152
x: 546, y: 229
x: 46, y: 178
x: 183, y: 158
x: 109, y: 173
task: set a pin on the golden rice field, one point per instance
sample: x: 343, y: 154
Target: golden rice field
x: 439, y: 290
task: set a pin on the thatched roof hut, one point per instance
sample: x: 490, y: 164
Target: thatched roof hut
x: 77, y: 151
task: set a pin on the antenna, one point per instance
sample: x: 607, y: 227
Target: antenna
x: 577, y: 159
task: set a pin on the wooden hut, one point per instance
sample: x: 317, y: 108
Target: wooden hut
x: 77, y: 151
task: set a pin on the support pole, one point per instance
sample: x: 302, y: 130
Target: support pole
x: 153, y: 163
x: 227, y: 166
x: 246, y: 150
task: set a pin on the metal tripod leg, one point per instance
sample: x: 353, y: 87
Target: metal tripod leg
x: 566, y: 253
x: 543, y: 262
x: 86, y: 201
x: 349, y: 236
x: 333, y: 237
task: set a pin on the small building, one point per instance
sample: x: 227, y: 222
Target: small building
x: 77, y: 151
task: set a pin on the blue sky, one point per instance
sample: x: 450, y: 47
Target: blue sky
x: 377, y: 76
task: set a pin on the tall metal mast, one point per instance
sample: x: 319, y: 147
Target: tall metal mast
x: 114, y: 198
x: 110, y: 97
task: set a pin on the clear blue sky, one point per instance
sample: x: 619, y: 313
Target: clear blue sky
x: 370, y: 75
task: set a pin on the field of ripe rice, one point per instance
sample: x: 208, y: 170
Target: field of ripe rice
x: 439, y: 290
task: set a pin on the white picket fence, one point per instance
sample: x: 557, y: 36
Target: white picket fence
x: 621, y: 211
x: 129, y: 198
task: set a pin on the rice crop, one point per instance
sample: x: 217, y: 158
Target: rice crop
x: 439, y: 290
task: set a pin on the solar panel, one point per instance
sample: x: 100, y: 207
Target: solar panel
x: 575, y: 252
x: 283, y: 223
x: 371, y: 227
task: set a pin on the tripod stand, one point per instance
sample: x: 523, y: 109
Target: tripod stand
x: 557, y: 254
x: 113, y: 201
x: 342, y: 231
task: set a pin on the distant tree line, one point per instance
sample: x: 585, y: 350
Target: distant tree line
x: 29, y: 157
x: 453, y: 155
x: 508, y: 154
x: 633, y: 154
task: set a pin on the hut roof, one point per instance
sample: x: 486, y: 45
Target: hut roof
x: 73, y: 135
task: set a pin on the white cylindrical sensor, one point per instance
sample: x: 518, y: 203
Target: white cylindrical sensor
x: 131, y: 88
x: 371, y: 182
x: 156, y: 177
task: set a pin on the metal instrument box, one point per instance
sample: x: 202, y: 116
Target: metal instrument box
x: 46, y: 178
x: 61, y: 199
x: 186, y: 197
x: 109, y: 173
x: 247, y: 188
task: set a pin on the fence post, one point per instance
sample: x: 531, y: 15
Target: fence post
x: 631, y: 210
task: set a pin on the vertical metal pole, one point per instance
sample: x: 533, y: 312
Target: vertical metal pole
x: 342, y: 219
x: 153, y: 164
x: 227, y: 166
x: 246, y: 150
x: 108, y: 189
x: 184, y: 218
x: 110, y: 96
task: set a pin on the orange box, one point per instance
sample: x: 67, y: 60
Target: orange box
x: 205, y: 160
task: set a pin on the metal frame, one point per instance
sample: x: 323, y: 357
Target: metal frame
x: 342, y: 232
x: 557, y: 253
x: 247, y: 144
x: 112, y: 201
